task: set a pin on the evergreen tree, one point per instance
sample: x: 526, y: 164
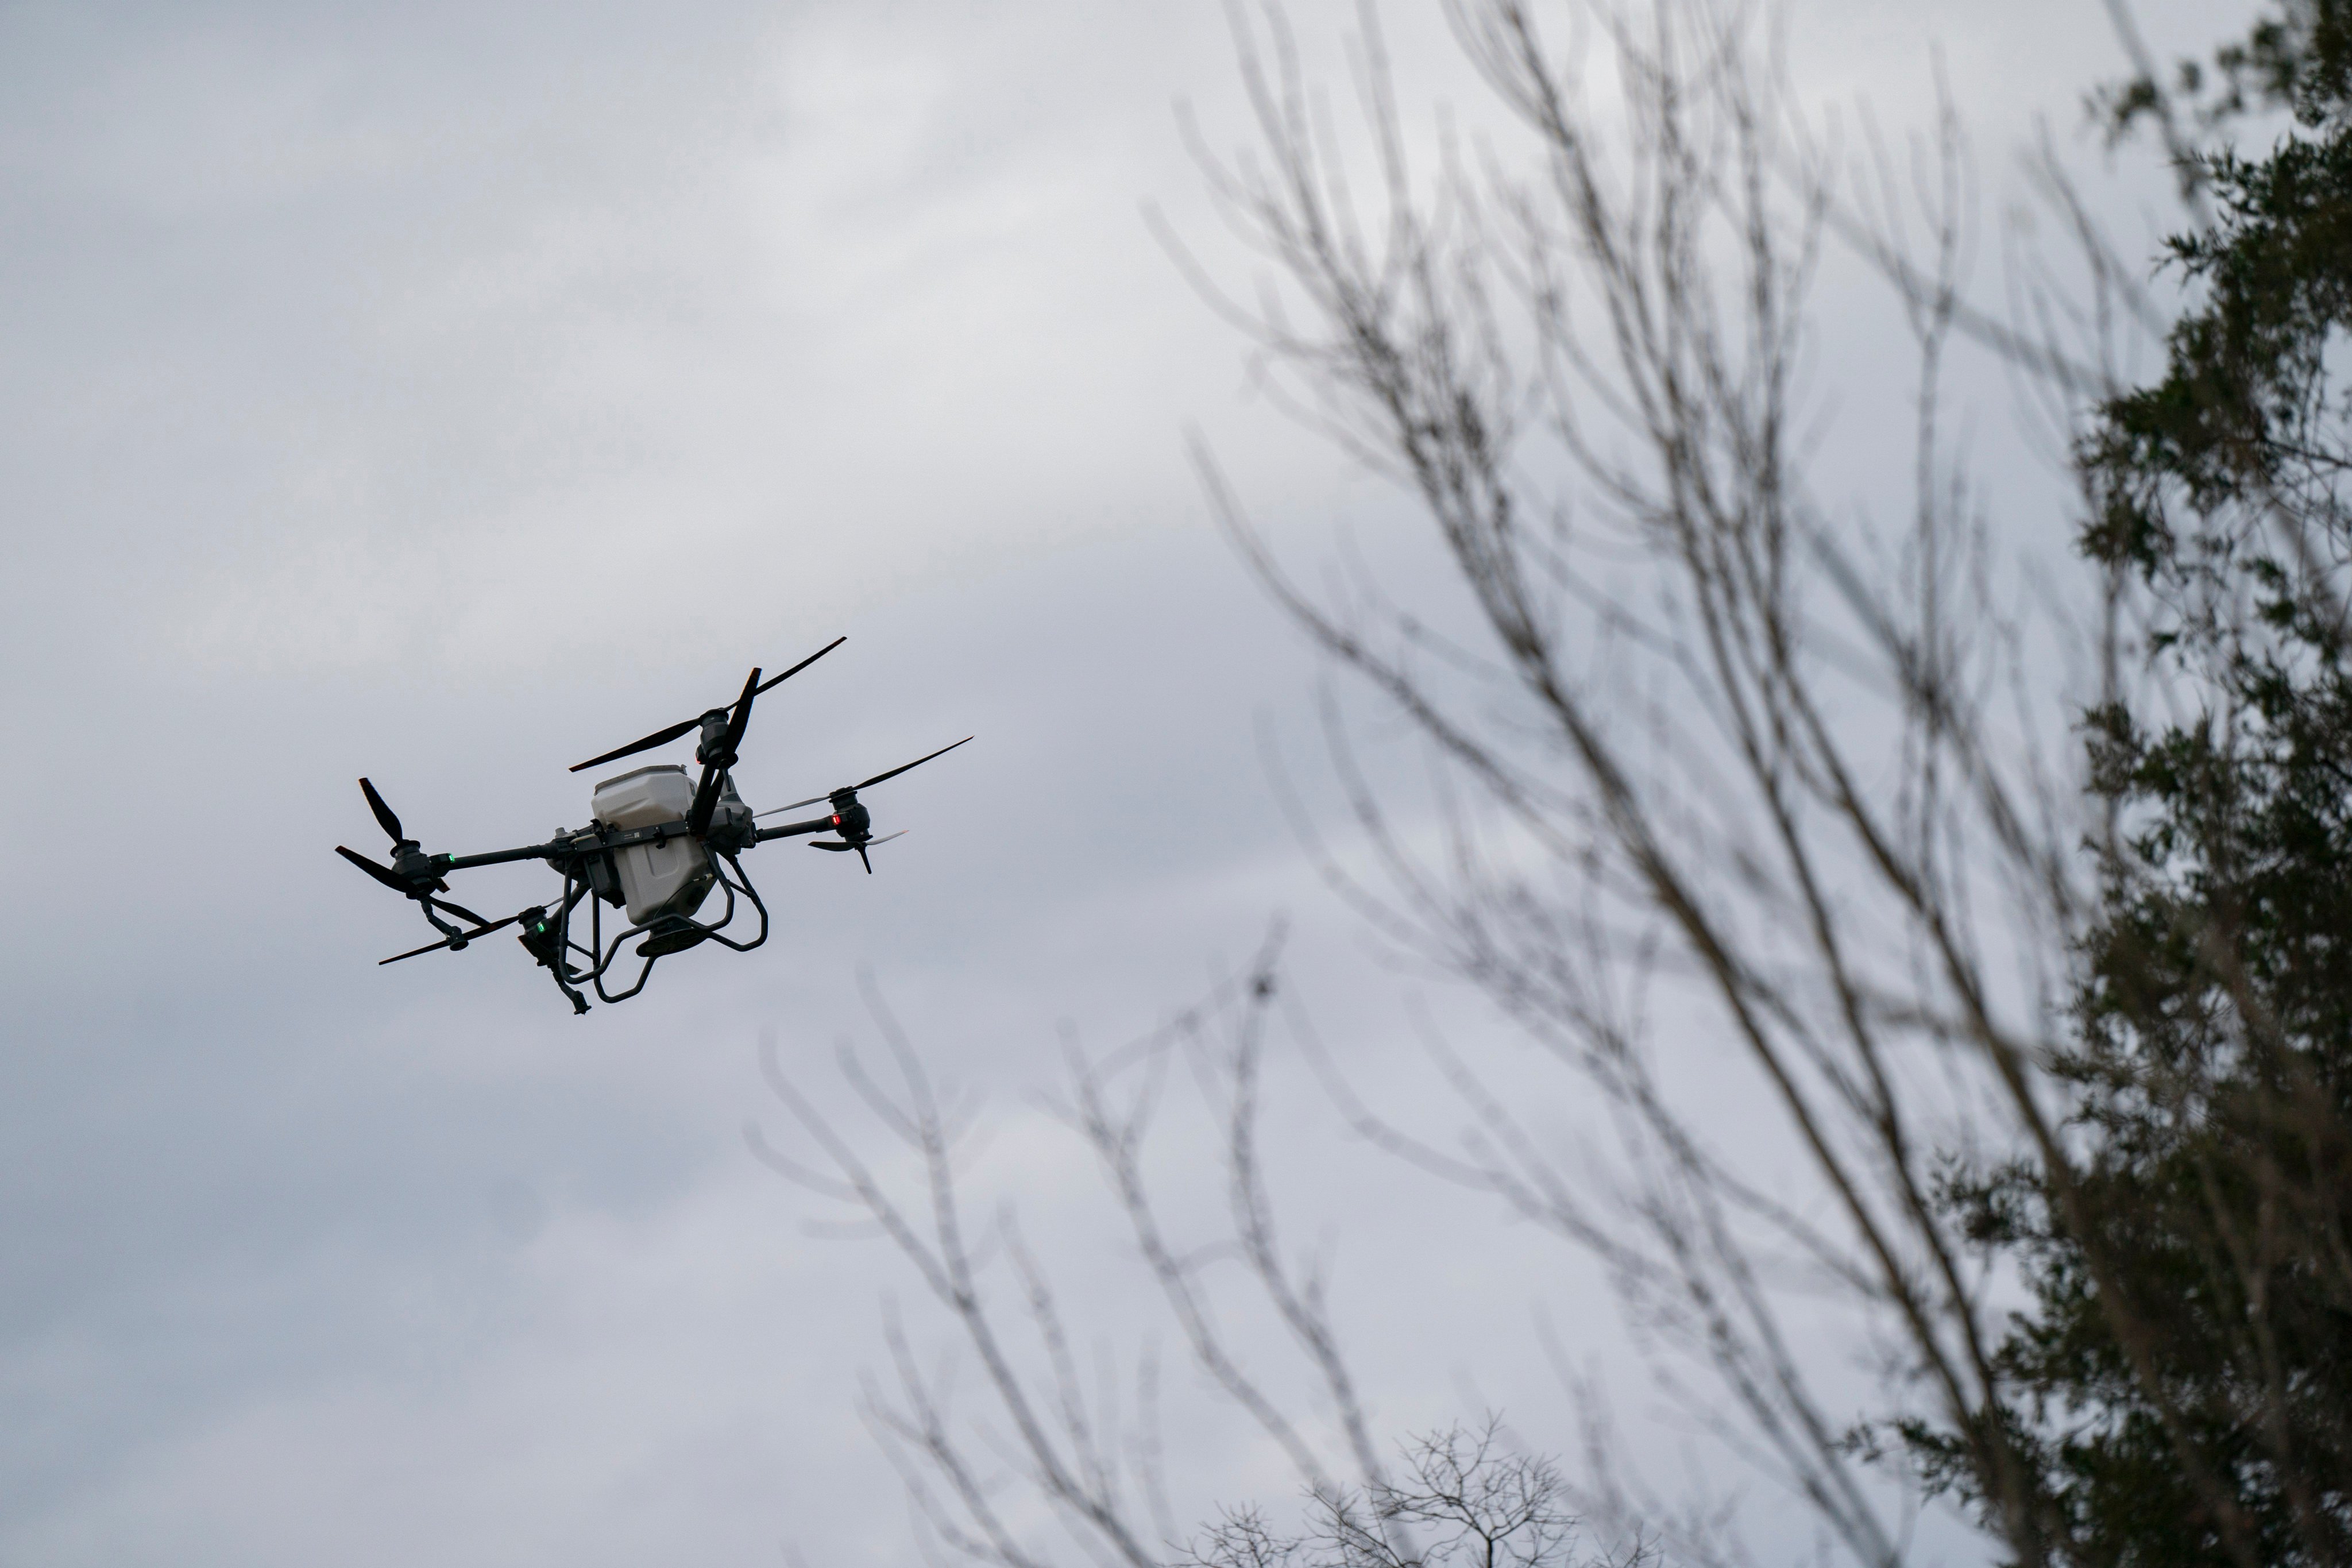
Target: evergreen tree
x: 2183, y: 1379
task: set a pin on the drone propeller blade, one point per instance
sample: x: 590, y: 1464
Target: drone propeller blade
x: 390, y: 877
x: 383, y: 813
x: 869, y: 783
x: 918, y: 762
x: 385, y: 874
x: 742, y: 719
x: 861, y: 848
x: 780, y: 679
x: 658, y: 737
x: 706, y: 798
x: 460, y: 911
x: 463, y: 939
x: 664, y: 737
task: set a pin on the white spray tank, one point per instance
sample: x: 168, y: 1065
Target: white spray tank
x: 671, y: 878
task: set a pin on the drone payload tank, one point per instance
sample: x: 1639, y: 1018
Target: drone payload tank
x: 670, y: 878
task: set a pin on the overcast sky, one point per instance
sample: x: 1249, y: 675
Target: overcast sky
x: 446, y: 393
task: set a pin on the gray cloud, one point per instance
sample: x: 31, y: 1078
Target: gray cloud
x: 444, y: 394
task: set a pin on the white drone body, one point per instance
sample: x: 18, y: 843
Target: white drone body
x: 671, y: 876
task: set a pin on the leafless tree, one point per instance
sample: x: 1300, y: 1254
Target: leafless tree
x: 1488, y: 1506
x: 1810, y: 780
x: 1806, y: 785
x: 1745, y: 764
x: 1062, y: 1433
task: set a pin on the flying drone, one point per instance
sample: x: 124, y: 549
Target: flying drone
x: 657, y: 844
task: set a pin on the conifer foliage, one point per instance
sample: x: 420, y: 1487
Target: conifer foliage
x: 2181, y: 1385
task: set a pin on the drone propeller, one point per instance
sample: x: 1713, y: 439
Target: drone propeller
x: 464, y: 938
x: 715, y: 766
x: 878, y: 778
x: 664, y: 737
x: 407, y: 874
x: 394, y: 880
x: 460, y: 911
x: 385, y: 874
x: 383, y: 813
x: 861, y: 845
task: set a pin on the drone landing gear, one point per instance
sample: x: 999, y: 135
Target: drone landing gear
x: 670, y: 939
x: 543, y: 939
x: 579, y: 1002
x: 664, y: 935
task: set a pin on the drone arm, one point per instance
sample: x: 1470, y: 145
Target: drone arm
x: 573, y: 847
x: 497, y: 857
x: 796, y: 829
